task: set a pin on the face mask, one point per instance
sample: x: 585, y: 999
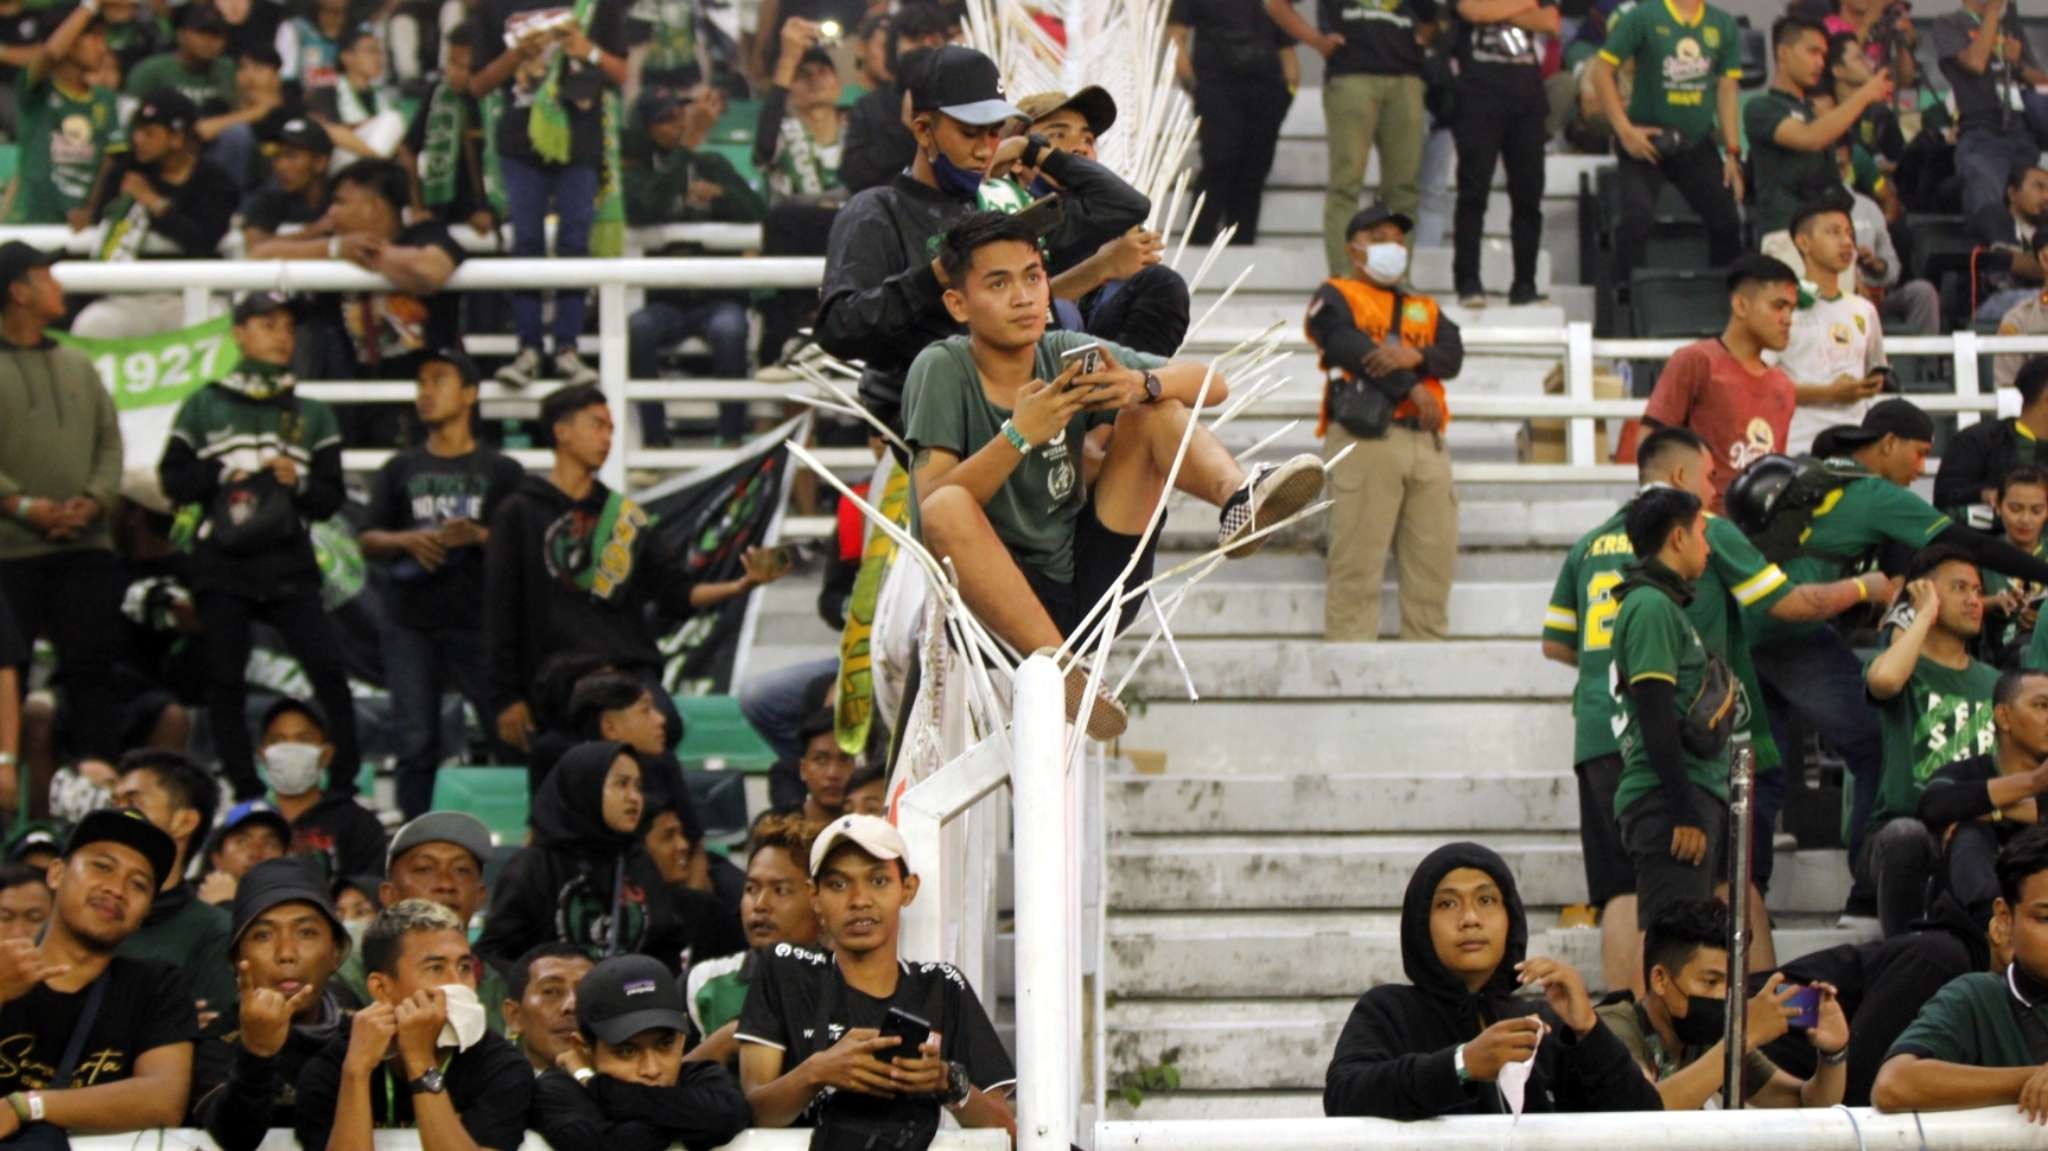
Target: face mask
x: 292, y: 768
x: 1385, y: 263
x: 1704, y: 1023
x: 465, y: 1017
x: 960, y: 183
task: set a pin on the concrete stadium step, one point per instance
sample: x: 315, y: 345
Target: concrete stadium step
x: 1254, y: 307
x: 1531, y: 521
x: 1287, y: 211
x: 1300, y: 267
x: 1299, y: 955
x: 1333, y: 872
x: 1205, y: 1105
x: 1298, y: 558
x: 1316, y: 803
x: 1478, y: 611
x: 1294, y: 669
x: 1303, y: 161
x: 1510, y: 738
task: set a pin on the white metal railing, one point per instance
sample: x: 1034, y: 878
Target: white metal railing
x: 1829, y: 1129
x: 281, y: 1139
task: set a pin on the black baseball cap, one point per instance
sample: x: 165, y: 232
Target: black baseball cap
x: 197, y: 17
x: 964, y: 84
x: 18, y: 259
x: 628, y: 994
x: 658, y: 104
x: 1375, y: 214
x: 276, y: 881
x: 303, y: 134
x: 128, y: 827
x: 817, y: 55
x: 290, y: 703
x: 1895, y: 417
x: 168, y: 107
x: 457, y: 359
x: 248, y: 306
x: 35, y: 837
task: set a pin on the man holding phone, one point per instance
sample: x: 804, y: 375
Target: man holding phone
x: 1835, y: 355
x: 823, y: 1036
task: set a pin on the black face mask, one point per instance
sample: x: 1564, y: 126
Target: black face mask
x: 1704, y: 1023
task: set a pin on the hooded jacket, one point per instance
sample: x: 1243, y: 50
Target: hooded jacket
x: 1396, y: 1056
x: 59, y: 438
x: 580, y: 875
x: 237, y: 1096
x: 191, y: 936
x: 533, y: 607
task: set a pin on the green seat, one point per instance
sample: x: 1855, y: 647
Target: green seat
x: 496, y: 795
x: 716, y: 737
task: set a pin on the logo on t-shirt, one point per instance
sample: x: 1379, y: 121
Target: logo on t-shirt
x: 1839, y: 333
x: 1686, y: 65
x: 1758, y: 441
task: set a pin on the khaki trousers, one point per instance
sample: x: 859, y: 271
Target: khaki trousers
x: 1390, y: 493
x: 1361, y: 112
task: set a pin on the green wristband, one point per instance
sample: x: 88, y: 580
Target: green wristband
x: 1016, y: 438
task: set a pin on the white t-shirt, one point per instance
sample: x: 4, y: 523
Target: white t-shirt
x: 1830, y: 338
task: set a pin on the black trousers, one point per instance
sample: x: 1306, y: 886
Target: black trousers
x: 791, y: 229
x: 1504, y: 123
x: 1697, y: 174
x: 310, y: 638
x: 71, y: 599
x: 1148, y: 312
x: 1240, y: 131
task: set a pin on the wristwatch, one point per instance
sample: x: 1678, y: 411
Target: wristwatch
x: 1152, y: 388
x: 428, y: 1083
x: 958, y: 1086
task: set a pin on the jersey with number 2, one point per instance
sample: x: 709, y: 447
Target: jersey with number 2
x: 1581, y: 615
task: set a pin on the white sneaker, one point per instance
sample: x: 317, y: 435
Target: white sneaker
x: 521, y: 370
x: 1107, y: 719
x: 1472, y: 300
x: 571, y: 368
x: 1270, y: 494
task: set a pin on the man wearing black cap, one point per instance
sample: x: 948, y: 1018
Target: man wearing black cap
x: 286, y: 218
x: 878, y: 142
x: 811, y: 1048
x: 60, y: 473
x: 671, y: 178
x: 97, y: 1041
x: 263, y: 463
x: 198, y: 68
x: 288, y: 941
x: 160, y: 200
x: 1386, y: 352
x: 882, y: 300
x: 623, y: 1085
x: 1807, y: 669
x: 430, y: 507
x: 65, y: 123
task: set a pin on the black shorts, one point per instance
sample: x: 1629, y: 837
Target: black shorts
x: 1099, y: 556
x: 1609, y: 872
x: 1660, y: 879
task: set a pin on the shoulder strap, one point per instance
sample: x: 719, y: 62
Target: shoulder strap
x: 75, y: 1046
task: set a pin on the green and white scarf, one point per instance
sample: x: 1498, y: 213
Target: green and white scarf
x: 259, y: 381
x: 441, y: 158
x: 547, y: 123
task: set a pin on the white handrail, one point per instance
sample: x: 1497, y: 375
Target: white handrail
x: 1829, y: 1129
x: 1047, y: 898
x: 710, y: 236
x: 393, y: 1139
x: 715, y: 273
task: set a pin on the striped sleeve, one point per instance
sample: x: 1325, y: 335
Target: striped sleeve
x: 1561, y: 616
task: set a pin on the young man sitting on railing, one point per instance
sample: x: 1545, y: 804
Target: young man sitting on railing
x: 823, y: 1037
x: 1438, y: 1044
x: 998, y: 420
x: 1982, y: 1040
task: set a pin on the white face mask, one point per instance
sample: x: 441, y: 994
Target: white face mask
x: 292, y: 768
x: 1386, y: 263
x: 466, y: 1022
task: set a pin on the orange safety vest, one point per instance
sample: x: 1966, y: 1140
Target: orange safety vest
x: 1372, y: 312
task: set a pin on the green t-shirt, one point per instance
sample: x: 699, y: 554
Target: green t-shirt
x: 1581, y: 616
x: 1655, y: 640
x: 213, y: 85
x: 2007, y: 631
x: 1943, y: 716
x: 1969, y: 1021
x: 1035, y: 510
x: 1679, y: 65
x: 62, y: 137
x: 1738, y: 576
x: 1785, y: 177
x: 1852, y: 521
x: 672, y: 33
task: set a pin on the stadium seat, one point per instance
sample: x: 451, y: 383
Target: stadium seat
x: 1756, y: 57
x: 716, y: 737
x: 720, y: 798
x: 496, y: 795
x: 1667, y: 302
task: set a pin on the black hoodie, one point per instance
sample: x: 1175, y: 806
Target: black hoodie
x: 1396, y: 1056
x: 532, y: 606
x: 1882, y: 986
x: 567, y: 885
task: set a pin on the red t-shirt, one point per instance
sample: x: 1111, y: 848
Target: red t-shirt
x: 1741, y: 416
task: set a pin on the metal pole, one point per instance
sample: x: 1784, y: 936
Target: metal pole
x: 1045, y: 977
x: 611, y: 377
x: 1741, y: 777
